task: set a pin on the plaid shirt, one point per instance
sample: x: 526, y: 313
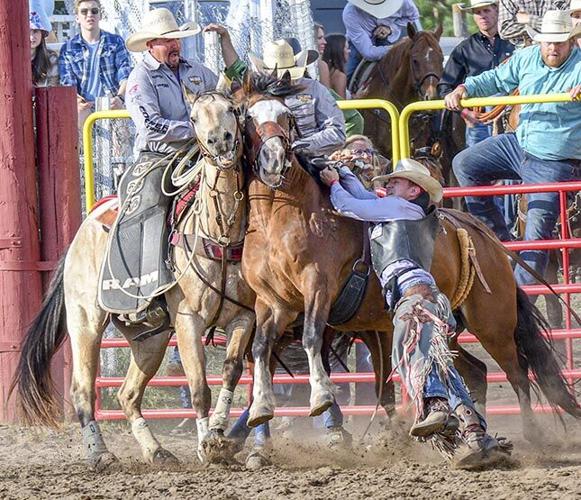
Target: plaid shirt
x: 114, y: 63
x: 516, y: 33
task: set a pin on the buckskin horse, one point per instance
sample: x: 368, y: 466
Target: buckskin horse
x: 216, y: 220
x: 298, y: 254
x: 410, y: 71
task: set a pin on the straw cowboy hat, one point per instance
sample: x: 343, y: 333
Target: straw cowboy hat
x: 415, y: 172
x: 378, y: 8
x: 279, y: 56
x: 575, y: 6
x: 159, y: 23
x: 556, y: 27
x: 477, y: 4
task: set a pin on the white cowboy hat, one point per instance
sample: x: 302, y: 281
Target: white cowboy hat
x: 575, y: 6
x: 378, y: 8
x: 477, y: 4
x: 415, y: 172
x: 556, y: 27
x: 279, y: 56
x: 159, y: 23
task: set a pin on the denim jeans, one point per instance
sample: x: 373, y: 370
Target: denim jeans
x: 453, y: 390
x: 185, y: 395
x: 477, y: 134
x: 501, y: 157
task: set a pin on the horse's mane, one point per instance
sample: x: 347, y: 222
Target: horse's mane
x: 270, y: 85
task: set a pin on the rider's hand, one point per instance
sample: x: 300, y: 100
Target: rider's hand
x: 522, y: 17
x: 453, y: 99
x: 382, y: 32
x: 329, y: 176
x: 217, y: 28
x: 470, y: 118
x: 116, y: 103
x: 575, y: 93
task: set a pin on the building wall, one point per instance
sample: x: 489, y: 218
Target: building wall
x: 328, y: 13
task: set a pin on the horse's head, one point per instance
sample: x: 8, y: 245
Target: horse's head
x: 270, y: 126
x: 216, y: 123
x: 426, y: 60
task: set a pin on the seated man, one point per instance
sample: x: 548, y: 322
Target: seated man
x: 372, y: 27
x: 421, y: 314
x: 546, y: 147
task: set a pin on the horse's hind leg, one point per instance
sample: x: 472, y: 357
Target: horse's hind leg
x: 145, y: 361
x: 86, y: 328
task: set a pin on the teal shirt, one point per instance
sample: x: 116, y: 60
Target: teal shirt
x: 550, y: 131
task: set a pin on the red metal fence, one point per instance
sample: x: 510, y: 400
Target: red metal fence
x: 565, y: 242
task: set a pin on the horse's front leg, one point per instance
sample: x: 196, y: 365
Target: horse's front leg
x: 317, y: 307
x: 270, y: 323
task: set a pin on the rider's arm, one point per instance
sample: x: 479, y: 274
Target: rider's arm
x: 508, y: 26
x: 143, y: 106
x: 501, y: 80
x: 361, y: 35
x: 353, y: 186
x: 330, y: 124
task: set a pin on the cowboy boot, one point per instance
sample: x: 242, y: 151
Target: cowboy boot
x: 482, y: 448
x: 438, y: 418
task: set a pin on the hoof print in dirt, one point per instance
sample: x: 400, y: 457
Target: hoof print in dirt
x: 257, y: 460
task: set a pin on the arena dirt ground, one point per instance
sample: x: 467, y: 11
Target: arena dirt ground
x: 48, y: 464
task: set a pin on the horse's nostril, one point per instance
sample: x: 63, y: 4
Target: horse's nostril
x: 227, y: 136
x: 212, y: 140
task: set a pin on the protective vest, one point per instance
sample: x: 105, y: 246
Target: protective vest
x: 411, y: 240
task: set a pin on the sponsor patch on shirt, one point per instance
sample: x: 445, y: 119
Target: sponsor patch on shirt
x: 195, y: 80
x: 305, y: 98
x: 133, y: 90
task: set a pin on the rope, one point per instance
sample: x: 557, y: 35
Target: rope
x: 467, y: 271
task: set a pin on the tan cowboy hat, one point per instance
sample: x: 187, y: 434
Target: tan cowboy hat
x: 378, y: 8
x: 477, y: 4
x: 159, y: 23
x: 575, y: 6
x: 556, y: 27
x: 415, y: 172
x: 279, y: 56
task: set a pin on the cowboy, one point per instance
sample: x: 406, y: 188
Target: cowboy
x: 575, y: 12
x: 372, y: 26
x: 319, y: 120
x: 547, y: 144
x: 157, y: 105
x: 481, y: 51
x: 516, y: 17
x: 404, y: 226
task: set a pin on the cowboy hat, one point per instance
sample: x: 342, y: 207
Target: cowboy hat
x: 312, y: 55
x: 575, y: 6
x: 415, y: 172
x: 378, y: 8
x: 477, y: 4
x: 39, y: 18
x: 279, y: 56
x: 556, y: 27
x: 159, y: 23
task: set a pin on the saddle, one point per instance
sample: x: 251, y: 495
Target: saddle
x: 360, y: 76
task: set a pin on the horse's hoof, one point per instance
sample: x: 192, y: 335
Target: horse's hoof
x: 99, y: 462
x: 257, y: 460
x: 321, y: 403
x: 338, y: 439
x: 259, y: 416
x: 217, y: 448
x: 162, y: 456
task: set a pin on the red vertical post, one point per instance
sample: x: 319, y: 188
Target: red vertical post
x: 20, y: 279
x: 59, y: 193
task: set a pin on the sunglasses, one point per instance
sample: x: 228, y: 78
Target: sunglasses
x: 94, y: 11
x: 361, y: 152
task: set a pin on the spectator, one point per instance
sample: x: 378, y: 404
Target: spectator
x: 94, y: 61
x: 480, y: 52
x: 335, y: 56
x: 373, y: 26
x: 576, y: 17
x: 44, y: 61
x: 321, y: 43
x: 515, y: 16
x: 547, y: 145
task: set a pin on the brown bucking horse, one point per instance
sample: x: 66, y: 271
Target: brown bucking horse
x: 298, y: 254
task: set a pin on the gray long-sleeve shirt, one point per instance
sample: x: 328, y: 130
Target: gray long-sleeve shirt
x: 319, y: 119
x: 156, y: 102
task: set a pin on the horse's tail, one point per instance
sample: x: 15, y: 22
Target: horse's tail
x: 38, y: 403
x: 536, y: 352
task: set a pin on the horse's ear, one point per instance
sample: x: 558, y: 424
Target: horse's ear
x: 439, y: 31
x: 224, y: 85
x: 286, y: 78
x: 189, y: 95
x: 412, y: 30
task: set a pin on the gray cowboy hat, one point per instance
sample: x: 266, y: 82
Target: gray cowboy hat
x: 556, y: 27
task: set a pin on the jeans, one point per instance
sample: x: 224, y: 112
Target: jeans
x: 185, y: 395
x: 453, y: 389
x: 501, y: 157
x: 477, y: 134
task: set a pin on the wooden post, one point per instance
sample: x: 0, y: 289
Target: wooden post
x: 59, y: 192
x: 459, y: 20
x: 20, y: 278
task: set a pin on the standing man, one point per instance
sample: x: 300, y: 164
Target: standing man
x: 517, y: 16
x: 547, y: 144
x: 404, y: 228
x: 576, y: 18
x: 372, y: 26
x: 94, y: 61
x: 479, y: 52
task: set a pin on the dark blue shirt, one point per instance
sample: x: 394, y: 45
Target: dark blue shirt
x: 471, y: 57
